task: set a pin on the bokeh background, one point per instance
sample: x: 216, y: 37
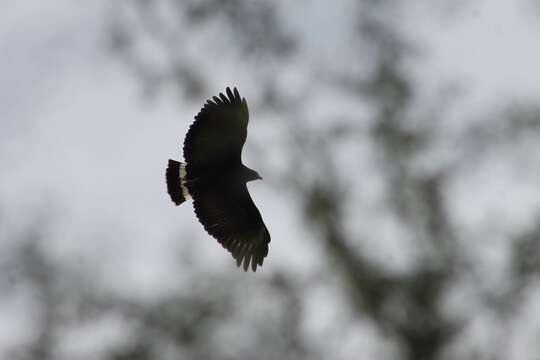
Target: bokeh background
x: 399, y: 145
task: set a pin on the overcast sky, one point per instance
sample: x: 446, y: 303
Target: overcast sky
x: 77, y: 142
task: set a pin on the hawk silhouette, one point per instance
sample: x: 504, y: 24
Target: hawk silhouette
x: 214, y: 176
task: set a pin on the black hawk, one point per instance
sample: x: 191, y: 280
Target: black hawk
x: 214, y: 176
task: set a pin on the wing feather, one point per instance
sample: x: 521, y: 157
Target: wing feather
x: 218, y: 133
x: 228, y: 213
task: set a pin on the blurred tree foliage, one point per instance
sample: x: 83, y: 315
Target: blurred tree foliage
x: 410, y: 309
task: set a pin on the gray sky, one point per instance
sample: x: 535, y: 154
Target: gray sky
x: 75, y: 137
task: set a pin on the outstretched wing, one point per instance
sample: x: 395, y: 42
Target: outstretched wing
x: 228, y: 213
x: 218, y: 133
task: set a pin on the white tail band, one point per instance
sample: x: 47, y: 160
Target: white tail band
x: 183, y: 186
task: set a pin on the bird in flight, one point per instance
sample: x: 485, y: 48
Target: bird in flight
x: 215, y: 178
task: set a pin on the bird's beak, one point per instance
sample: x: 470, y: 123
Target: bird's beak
x: 259, y: 176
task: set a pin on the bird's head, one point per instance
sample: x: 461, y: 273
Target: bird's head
x: 256, y: 176
x: 251, y: 175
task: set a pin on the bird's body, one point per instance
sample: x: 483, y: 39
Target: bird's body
x: 215, y: 178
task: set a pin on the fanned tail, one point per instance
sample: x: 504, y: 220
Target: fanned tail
x: 174, y: 176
